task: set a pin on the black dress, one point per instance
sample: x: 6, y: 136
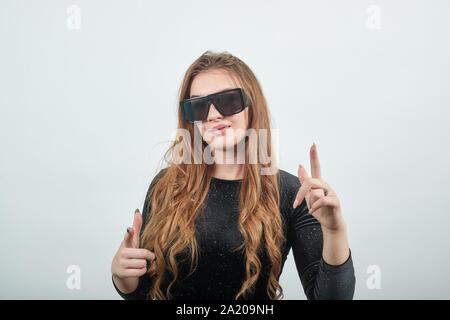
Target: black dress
x: 221, y: 271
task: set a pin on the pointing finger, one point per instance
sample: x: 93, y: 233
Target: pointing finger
x: 128, y: 238
x: 137, y: 221
x: 137, y: 224
x: 315, y: 165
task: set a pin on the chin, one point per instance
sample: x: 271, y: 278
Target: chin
x: 221, y: 144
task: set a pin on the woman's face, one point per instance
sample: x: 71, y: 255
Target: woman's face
x: 213, y: 81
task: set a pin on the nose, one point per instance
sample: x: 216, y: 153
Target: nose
x: 213, y: 113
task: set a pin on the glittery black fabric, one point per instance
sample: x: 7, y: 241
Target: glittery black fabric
x: 221, y: 271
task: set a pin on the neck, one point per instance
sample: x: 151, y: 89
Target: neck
x: 226, y: 166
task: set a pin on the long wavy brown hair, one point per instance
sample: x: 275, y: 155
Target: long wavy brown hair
x: 179, y: 195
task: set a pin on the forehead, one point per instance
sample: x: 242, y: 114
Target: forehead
x: 212, y: 81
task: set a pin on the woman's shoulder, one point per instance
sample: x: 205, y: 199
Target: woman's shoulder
x: 160, y: 174
x: 288, y: 181
x: 155, y: 180
x: 289, y: 185
x: 147, y: 200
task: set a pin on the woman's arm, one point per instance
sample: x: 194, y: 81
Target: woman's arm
x: 323, y: 222
x: 138, y: 287
x: 323, y: 260
x: 141, y: 286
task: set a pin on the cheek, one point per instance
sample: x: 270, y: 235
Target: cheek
x: 240, y: 120
x: 202, y: 130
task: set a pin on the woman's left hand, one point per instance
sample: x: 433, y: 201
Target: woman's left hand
x: 326, y: 209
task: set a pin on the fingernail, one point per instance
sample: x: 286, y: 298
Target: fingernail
x: 295, y: 203
x: 128, y: 230
x: 136, y: 211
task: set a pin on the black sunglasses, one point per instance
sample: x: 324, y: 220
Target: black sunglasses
x: 227, y: 102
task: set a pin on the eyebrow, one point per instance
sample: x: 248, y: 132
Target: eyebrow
x: 193, y: 96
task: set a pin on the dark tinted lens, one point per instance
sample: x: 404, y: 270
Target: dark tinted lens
x: 229, y: 103
x: 195, y: 110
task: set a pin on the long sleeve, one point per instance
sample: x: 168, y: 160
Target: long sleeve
x: 319, y: 279
x: 144, y: 284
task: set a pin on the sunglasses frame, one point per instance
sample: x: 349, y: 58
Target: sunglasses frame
x: 209, y: 99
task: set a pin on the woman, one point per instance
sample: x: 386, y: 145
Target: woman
x: 223, y: 229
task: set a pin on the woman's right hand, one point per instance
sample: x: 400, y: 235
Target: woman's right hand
x: 130, y: 261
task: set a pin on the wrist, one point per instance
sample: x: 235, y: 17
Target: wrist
x: 337, y: 230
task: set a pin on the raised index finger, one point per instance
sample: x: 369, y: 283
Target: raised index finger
x: 315, y: 164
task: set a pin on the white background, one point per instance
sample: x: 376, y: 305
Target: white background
x: 86, y: 115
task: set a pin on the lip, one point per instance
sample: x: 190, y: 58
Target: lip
x: 219, y: 129
x: 220, y: 126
